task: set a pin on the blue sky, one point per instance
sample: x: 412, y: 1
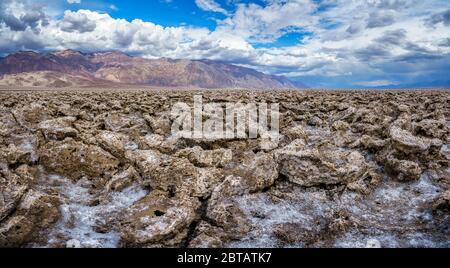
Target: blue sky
x: 323, y: 43
x: 167, y: 13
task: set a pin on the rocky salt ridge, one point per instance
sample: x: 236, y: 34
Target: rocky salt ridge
x: 101, y: 169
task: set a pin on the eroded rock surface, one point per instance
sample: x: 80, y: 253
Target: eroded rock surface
x: 102, y: 169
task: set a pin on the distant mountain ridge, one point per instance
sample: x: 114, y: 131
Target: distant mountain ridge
x: 73, y: 68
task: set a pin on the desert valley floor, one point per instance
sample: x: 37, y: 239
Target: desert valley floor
x: 100, y: 168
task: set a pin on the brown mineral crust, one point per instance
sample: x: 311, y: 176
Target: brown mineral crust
x: 76, y: 159
x: 35, y: 212
x: 443, y: 203
x: 158, y: 220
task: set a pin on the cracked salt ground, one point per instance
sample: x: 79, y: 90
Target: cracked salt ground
x: 81, y: 216
x: 395, y: 203
x: 386, y: 216
x: 397, y: 214
x: 29, y: 146
x: 388, y: 240
x: 265, y: 214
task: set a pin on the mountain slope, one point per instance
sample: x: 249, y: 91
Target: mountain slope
x: 118, y: 68
x: 49, y: 79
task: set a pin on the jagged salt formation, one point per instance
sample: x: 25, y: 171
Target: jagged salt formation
x: 101, y: 169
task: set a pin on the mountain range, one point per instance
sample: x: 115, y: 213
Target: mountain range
x: 69, y: 68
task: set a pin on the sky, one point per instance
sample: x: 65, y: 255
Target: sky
x: 322, y: 43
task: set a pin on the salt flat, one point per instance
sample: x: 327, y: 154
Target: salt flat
x: 99, y: 167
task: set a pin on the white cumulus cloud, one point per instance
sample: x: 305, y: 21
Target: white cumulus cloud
x: 210, y: 5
